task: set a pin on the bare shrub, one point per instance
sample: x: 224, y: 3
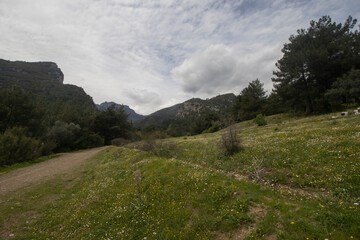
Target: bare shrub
x: 158, y: 135
x: 137, y: 178
x: 120, y: 142
x: 161, y: 148
x: 230, y: 142
x: 165, y: 149
x: 257, y: 170
x: 146, y: 145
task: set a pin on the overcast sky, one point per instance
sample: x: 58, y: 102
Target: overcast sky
x: 151, y: 54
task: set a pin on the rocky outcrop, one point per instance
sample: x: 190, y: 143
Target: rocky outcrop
x: 11, y: 72
x: 44, y: 80
x: 220, y: 104
x: 189, y: 107
x: 53, y: 71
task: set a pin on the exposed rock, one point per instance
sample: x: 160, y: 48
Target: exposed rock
x: 44, y: 80
x: 187, y: 108
x: 54, y: 71
x: 39, y: 70
x: 221, y: 104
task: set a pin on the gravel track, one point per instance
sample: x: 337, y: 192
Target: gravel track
x: 26, y: 176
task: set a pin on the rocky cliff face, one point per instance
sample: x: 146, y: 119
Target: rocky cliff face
x: 53, y: 71
x: 18, y: 71
x: 44, y: 80
x: 189, y: 107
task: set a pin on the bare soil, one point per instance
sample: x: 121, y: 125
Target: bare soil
x: 23, y: 177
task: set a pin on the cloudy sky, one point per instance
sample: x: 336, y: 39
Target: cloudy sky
x: 150, y: 54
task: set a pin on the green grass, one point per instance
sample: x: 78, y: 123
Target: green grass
x: 318, y: 154
x: 125, y: 193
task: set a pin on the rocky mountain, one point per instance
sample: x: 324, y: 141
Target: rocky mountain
x: 44, y: 80
x: 14, y: 72
x: 133, y: 116
x: 193, y: 107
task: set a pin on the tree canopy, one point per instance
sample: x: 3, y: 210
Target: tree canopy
x: 250, y: 102
x: 112, y: 123
x: 17, y: 109
x: 345, y: 90
x: 313, y: 60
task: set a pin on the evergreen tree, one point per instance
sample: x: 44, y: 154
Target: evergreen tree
x: 312, y: 62
x: 345, y: 89
x: 250, y: 102
x: 112, y: 123
x: 18, y: 110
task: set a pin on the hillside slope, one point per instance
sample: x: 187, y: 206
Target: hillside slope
x: 296, y: 178
x: 220, y: 104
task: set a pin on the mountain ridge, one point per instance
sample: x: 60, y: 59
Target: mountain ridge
x: 44, y: 80
x: 220, y: 104
x: 132, y: 115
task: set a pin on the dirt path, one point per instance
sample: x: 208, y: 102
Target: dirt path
x: 33, y: 174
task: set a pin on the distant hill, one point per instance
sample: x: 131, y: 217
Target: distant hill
x: 44, y: 80
x: 133, y: 116
x: 220, y: 104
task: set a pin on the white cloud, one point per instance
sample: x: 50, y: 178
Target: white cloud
x: 209, y: 71
x: 222, y: 69
x: 128, y: 51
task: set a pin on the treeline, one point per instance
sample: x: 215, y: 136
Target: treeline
x: 192, y: 124
x: 318, y: 73
x: 31, y: 127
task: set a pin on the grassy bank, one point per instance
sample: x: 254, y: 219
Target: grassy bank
x: 191, y: 192
x: 317, y: 154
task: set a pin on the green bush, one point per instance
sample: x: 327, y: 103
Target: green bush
x: 48, y: 147
x: 64, y: 135
x: 89, y: 140
x: 214, y: 128
x: 260, y: 120
x: 16, y: 146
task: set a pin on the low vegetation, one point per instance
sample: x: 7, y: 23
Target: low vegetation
x: 316, y: 153
x: 28, y: 129
x: 298, y: 182
x: 230, y: 142
x: 260, y: 120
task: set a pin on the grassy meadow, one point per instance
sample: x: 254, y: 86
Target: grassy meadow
x: 295, y: 178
